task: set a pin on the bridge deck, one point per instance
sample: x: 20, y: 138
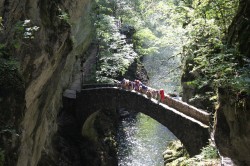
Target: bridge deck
x: 169, y: 102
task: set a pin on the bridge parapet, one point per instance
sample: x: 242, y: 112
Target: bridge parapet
x: 187, y: 109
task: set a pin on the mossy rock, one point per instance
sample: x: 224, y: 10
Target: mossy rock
x: 100, y: 130
x: 177, y: 155
x: 175, y: 150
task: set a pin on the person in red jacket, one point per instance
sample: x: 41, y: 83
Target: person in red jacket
x: 162, y: 95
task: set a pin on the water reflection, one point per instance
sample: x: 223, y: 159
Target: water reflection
x: 141, y: 141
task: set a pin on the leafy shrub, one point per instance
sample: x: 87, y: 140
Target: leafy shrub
x: 115, y: 55
x: 10, y: 78
x: 22, y: 32
x: 210, y: 152
x: 63, y: 15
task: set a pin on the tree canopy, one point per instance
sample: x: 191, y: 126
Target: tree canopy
x: 197, y: 27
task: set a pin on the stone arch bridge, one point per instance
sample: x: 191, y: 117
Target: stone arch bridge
x: 189, y: 124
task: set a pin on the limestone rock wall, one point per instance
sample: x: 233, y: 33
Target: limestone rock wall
x: 232, y: 132
x: 46, y: 63
x: 233, y: 127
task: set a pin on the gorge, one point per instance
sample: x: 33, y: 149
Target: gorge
x: 45, y: 45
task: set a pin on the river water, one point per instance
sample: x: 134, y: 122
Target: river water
x: 141, y: 139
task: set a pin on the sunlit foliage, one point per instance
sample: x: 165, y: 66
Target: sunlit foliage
x: 207, y: 47
x: 159, y: 37
x: 198, y: 27
x: 114, y: 53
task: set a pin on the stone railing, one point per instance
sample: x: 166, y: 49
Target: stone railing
x: 187, y: 109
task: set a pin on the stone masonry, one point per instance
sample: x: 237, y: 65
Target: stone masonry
x: 190, y: 128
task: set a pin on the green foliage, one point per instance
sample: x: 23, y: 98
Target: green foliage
x: 215, y: 61
x: 158, y: 19
x: 63, y: 15
x: 158, y: 34
x: 28, y: 30
x: 106, y: 7
x: 221, y: 11
x: 199, y: 26
x: 145, y: 41
x: 210, y: 152
x: 22, y: 31
x: 2, y: 50
x: 115, y: 55
x: 10, y: 78
x: 194, y: 83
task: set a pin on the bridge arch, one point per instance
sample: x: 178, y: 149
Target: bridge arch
x: 192, y: 133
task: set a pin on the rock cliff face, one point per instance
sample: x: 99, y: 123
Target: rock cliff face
x: 46, y: 63
x: 232, y: 134
x: 232, y: 125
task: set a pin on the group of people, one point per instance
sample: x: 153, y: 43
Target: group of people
x: 138, y: 86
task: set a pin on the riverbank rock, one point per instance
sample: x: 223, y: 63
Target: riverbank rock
x: 176, y: 154
x: 175, y: 150
x: 100, y: 129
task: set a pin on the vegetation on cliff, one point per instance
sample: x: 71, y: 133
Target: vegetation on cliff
x: 127, y: 30
x: 198, y: 27
x: 216, y: 69
x: 177, y: 155
x: 12, y: 102
x: 114, y: 54
x: 210, y: 62
x: 158, y: 37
